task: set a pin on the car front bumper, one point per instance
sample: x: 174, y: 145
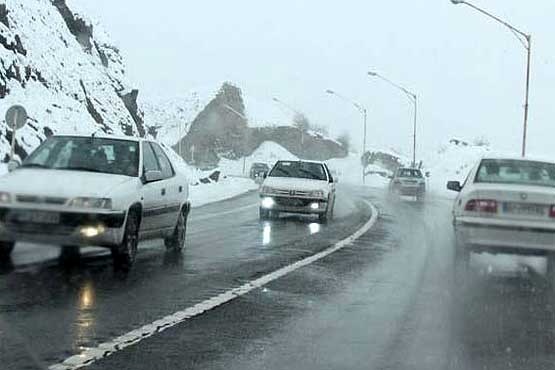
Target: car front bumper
x: 73, y: 228
x: 498, y: 236
x: 409, y: 190
x: 295, y: 204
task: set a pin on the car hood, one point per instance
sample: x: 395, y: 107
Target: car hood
x: 60, y: 183
x: 296, y: 184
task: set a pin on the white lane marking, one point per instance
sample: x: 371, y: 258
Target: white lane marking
x: 218, y: 214
x: 91, y: 355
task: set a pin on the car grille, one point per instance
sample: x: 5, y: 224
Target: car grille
x: 40, y: 229
x: 293, y: 202
x: 294, y: 193
x: 33, y: 199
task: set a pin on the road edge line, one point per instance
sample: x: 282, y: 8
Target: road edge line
x: 106, y: 349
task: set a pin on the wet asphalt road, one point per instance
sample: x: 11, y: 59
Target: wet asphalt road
x: 388, y: 301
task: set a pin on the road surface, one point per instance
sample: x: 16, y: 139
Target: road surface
x: 386, y: 301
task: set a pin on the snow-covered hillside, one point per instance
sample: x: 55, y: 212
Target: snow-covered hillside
x: 172, y: 117
x: 67, y: 74
x: 269, y: 153
x: 452, y: 162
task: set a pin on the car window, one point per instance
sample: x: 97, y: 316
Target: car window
x: 165, y: 164
x: 150, y: 163
x: 303, y: 170
x: 119, y: 157
x: 516, y: 172
x: 409, y: 172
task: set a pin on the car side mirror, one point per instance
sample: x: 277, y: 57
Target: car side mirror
x: 153, y: 176
x: 454, y: 186
x: 427, y: 174
x: 265, y: 174
x: 13, y: 165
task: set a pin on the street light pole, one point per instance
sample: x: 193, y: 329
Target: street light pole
x: 364, y: 113
x: 526, y: 41
x: 414, y: 100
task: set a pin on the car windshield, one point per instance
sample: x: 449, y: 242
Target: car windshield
x: 118, y: 157
x: 302, y: 170
x: 409, y: 172
x: 516, y: 172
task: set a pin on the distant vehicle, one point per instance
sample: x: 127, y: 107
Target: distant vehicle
x: 259, y: 171
x: 408, y: 182
x: 103, y: 191
x: 304, y: 187
x: 506, y: 206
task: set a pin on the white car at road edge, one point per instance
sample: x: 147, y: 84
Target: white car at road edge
x: 506, y: 205
x: 104, y: 191
x: 305, y: 187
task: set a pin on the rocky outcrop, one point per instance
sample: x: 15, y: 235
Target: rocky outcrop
x: 221, y: 131
x: 65, y: 72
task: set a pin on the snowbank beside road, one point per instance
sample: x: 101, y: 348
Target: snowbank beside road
x: 226, y: 188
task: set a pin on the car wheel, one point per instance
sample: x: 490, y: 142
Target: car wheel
x: 176, y: 242
x: 6, y: 249
x: 70, y: 254
x: 124, y: 254
x: 264, y: 214
x: 550, y: 273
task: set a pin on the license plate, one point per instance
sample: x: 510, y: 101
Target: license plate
x: 524, y: 209
x: 37, y: 217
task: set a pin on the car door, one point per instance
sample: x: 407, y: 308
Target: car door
x: 175, y: 190
x: 331, y: 183
x: 153, y: 193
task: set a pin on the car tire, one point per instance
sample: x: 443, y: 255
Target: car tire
x: 70, y: 254
x: 124, y: 254
x: 6, y: 249
x: 264, y: 214
x: 176, y: 242
x: 550, y: 273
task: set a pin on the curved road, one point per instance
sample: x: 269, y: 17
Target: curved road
x: 387, y: 301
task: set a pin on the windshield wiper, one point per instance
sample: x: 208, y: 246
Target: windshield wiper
x: 33, y: 165
x: 77, y: 168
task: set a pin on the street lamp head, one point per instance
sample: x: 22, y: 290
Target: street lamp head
x: 330, y: 91
x: 456, y: 2
x: 275, y: 99
x: 372, y: 74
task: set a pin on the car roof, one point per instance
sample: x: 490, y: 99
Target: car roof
x: 303, y: 161
x: 104, y: 136
x: 518, y: 158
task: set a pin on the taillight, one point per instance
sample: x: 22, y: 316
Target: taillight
x: 483, y: 205
x: 552, y: 211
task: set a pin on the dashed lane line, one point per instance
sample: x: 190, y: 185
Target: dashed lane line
x: 103, y: 350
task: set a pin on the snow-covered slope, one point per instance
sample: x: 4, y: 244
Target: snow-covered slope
x: 64, y: 71
x: 172, y: 117
x: 268, y: 152
x: 452, y: 162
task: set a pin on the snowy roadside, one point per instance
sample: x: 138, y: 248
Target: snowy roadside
x: 226, y: 188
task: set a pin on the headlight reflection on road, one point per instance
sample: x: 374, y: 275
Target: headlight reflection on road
x: 267, y: 234
x: 314, y: 228
x: 85, y: 319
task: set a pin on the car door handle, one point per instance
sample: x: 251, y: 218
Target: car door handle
x: 163, y: 192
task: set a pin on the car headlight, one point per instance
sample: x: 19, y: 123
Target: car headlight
x: 5, y: 197
x: 88, y: 202
x: 267, y: 190
x: 317, y: 194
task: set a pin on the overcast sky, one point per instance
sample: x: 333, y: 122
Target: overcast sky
x: 467, y: 70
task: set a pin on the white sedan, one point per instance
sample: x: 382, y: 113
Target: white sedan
x: 305, y: 187
x: 506, y: 205
x: 102, y: 191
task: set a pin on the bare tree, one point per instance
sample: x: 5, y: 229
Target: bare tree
x: 301, y: 122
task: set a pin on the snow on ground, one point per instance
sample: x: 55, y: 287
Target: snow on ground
x: 268, y: 152
x: 452, y: 162
x: 201, y: 194
x: 349, y: 170
x: 172, y: 117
